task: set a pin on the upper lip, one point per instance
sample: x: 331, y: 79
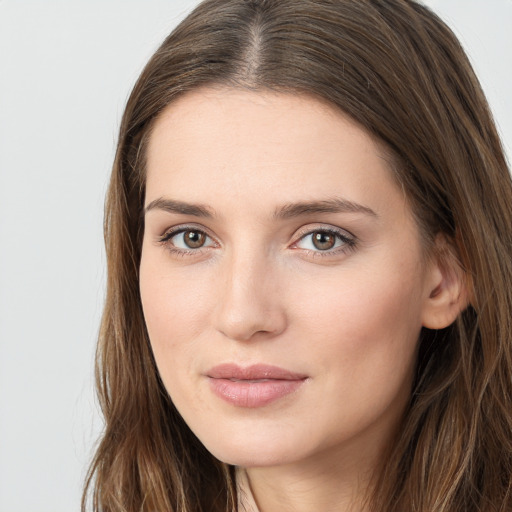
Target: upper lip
x: 253, y: 372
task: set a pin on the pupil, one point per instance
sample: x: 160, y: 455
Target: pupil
x: 323, y: 241
x: 194, y: 239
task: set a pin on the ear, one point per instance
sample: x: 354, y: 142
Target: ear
x: 448, y: 289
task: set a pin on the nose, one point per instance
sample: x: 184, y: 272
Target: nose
x: 249, y: 301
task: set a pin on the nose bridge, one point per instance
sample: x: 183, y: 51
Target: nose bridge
x: 248, y: 298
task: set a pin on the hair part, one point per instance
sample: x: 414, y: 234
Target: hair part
x: 399, y: 72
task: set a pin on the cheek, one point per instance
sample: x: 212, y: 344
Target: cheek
x: 367, y: 324
x: 364, y: 335
x: 175, y: 310
x: 176, y: 306
x: 173, y: 300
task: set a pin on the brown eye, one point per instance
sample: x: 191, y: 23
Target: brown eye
x: 328, y: 241
x: 194, y: 239
x: 323, y: 240
x: 187, y: 240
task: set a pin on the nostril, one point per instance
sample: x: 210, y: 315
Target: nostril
x: 250, y: 324
x: 249, y: 305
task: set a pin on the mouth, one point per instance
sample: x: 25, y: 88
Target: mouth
x: 253, y: 386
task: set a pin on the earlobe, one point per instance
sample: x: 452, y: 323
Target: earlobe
x: 447, y: 292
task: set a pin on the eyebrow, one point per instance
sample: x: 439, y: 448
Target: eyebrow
x: 287, y: 211
x: 334, y: 205
x: 173, y: 206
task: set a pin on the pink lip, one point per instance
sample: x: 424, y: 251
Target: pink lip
x: 253, y: 386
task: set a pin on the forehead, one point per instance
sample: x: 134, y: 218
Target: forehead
x: 261, y: 145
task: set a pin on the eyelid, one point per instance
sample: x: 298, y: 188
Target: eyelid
x: 349, y: 239
x: 169, y: 233
x: 172, y: 230
x: 312, y: 228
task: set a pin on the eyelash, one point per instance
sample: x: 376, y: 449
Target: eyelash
x: 349, y: 241
x: 168, y: 235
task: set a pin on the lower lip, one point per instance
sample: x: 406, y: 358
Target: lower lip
x: 251, y: 394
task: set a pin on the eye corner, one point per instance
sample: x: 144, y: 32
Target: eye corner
x: 336, y: 241
x: 198, y: 241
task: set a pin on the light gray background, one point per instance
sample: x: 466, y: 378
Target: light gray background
x: 66, y: 68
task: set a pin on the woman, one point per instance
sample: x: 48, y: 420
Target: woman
x: 309, y: 298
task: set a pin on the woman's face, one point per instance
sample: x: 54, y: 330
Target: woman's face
x: 282, y: 277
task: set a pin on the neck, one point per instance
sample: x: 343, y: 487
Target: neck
x: 330, y: 483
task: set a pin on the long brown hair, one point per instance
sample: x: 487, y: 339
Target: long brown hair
x: 396, y: 69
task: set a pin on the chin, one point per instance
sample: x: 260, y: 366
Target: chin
x: 251, y: 457
x: 252, y: 452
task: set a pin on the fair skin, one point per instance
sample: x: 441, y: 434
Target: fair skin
x: 275, y: 234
